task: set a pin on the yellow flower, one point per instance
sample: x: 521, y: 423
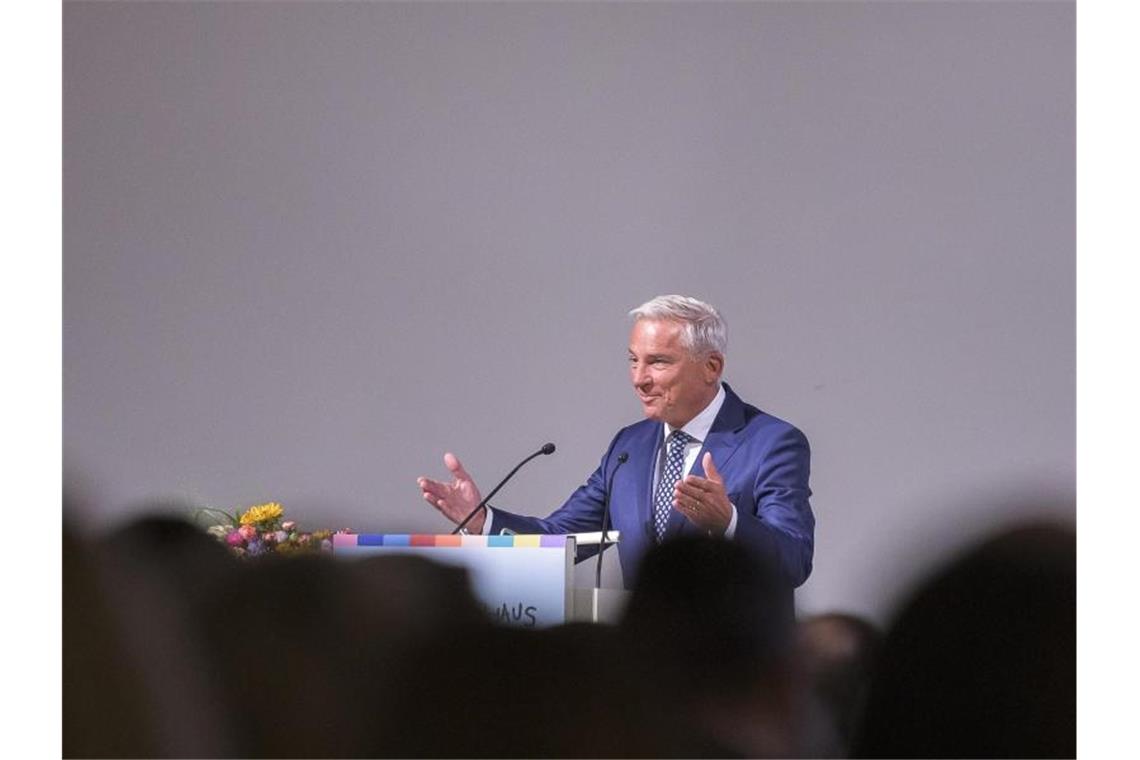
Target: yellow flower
x: 262, y: 513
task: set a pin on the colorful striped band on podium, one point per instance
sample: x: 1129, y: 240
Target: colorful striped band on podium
x: 445, y: 540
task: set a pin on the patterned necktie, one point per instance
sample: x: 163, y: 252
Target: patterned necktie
x: 670, y: 474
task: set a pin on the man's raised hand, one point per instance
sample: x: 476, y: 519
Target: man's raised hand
x: 457, y: 498
x: 703, y: 500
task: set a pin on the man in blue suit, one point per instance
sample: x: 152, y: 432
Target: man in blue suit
x: 702, y: 462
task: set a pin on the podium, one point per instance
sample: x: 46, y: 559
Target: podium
x: 521, y: 580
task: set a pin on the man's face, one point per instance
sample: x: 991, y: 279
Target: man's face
x: 672, y: 385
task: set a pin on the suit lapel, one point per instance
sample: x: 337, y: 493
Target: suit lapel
x: 722, y: 442
x: 644, y: 458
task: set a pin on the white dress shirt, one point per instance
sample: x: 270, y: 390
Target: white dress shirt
x: 698, y: 429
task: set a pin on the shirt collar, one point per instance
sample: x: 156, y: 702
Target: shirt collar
x: 699, y: 426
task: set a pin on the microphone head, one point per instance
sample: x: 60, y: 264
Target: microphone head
x: 623, y: 457
x: 548, y: 448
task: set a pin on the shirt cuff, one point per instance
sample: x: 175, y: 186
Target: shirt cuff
x: 487, y: 517
x: 730, y: 531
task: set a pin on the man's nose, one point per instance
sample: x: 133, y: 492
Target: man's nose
x: 640, y: 376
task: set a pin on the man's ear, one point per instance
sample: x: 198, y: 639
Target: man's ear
x: 714, y: 366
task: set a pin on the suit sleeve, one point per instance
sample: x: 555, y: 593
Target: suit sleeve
x: 782, y: 526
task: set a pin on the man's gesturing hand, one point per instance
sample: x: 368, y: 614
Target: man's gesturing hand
x: 457, y: 498
x: 703, y: 500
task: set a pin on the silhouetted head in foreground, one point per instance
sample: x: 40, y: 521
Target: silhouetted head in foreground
x: 981, y: 661
x: 304, y: 646
x: 837, y: 655
x: 710, y: 626
x: 710, y: 611
x: 106, y: 710
x: 172, y: 552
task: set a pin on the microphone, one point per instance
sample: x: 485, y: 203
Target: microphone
x: 546, y: 449
x: 622, y: 459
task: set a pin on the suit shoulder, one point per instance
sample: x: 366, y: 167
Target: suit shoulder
x: 771, y: 425
x: 638, y: 429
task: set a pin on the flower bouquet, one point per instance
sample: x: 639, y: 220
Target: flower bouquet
x: 261, y: 530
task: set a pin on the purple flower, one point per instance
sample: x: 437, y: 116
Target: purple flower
x: 281, y: 536
x: 234, y: 538
x: 256, y: 547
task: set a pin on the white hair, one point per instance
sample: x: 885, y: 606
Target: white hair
x: 703, y: 329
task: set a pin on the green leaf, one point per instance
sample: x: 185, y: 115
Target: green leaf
x: 214, y: 517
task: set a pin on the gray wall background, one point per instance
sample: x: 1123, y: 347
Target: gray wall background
x: 309, y: 247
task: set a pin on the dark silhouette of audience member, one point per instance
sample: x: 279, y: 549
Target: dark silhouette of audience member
x: 981, y: 660
x: 188, y: 563
x: 305, y: 646
x: 497, y: 691
x: 836, y: 657
x: 161, y: 571
x: 709, y: 628
x: 106, y: 708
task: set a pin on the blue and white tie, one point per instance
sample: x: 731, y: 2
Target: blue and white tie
x: 670, y: 474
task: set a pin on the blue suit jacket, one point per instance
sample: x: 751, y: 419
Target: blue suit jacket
x: 765, y: 464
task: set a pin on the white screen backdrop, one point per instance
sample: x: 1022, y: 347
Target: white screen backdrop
x: 311, y: 246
